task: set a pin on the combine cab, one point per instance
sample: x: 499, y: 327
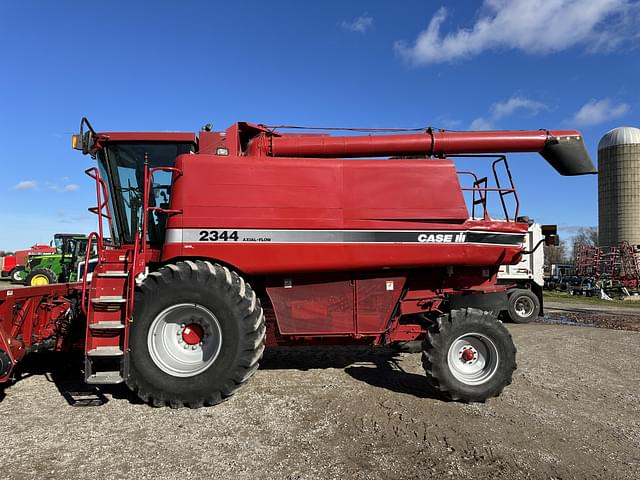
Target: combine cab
x: 223, y: 243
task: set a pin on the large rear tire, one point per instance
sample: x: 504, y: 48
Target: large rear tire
x: 197, y: 335
x: 469, y: 355
x: 39, y: 277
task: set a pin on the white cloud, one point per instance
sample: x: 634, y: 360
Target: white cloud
x: 26, y: 185
x: 504, y: 109
x: 480, y: 123
x: 598, y: 111
x: 538, y: 27
x: 360, y: 24
x: 69, y: 187
x: 507, y: 108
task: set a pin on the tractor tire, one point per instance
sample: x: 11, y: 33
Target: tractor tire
x: 469, y: 355
x: 15, y: 275
x: 197, y: 335
x: 523, y: 306
x: 41, y: 276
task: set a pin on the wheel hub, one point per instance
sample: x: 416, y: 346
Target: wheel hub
x: 192, y: 334
x: 39, y: 280
x: 524, y: 307
x: 468, y: 354
x: 184, y: 339
x: 473, y: 358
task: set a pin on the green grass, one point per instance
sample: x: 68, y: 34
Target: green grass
x: 566, y: 298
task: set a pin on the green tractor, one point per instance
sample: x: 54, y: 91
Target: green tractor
x: 59, y: 267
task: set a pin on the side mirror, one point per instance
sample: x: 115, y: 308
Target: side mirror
x: 550, y: 233
x: 549, y: 229
x: 85, y: 140
x: 552, y: 240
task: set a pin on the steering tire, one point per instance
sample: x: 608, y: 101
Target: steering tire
x: 469, y: 355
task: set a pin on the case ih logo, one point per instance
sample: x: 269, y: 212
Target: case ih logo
x: 459, y: 237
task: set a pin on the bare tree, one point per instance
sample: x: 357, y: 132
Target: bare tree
x: 555, y: 255
x: 587, y: 236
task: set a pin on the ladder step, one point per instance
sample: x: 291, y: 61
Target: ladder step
x: 114, y: 274
x: 105, y: 325
x: 109, y: 299
x: 105, y: 352
x: 110, y: 378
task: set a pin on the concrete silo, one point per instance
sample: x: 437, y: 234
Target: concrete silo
x: 619, y: 187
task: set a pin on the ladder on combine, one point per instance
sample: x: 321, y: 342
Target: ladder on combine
x: 107, y: 301
x: 107, y: 304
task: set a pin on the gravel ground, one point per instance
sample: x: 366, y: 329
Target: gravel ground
x: 573, y: 411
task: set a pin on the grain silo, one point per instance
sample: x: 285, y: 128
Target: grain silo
x: 619, y: 187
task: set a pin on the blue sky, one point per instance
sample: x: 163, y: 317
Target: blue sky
x: 504, y: 64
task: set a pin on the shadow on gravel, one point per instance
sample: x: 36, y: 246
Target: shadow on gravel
x: 65, y: 370
x: 376, y: 366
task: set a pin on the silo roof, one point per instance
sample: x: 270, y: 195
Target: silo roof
x: 620, y: 136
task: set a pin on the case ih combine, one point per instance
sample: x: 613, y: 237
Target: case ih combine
x: 226, y: 242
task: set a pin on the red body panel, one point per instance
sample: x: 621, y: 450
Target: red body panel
x: 273, y: 194
x: 335, y: 304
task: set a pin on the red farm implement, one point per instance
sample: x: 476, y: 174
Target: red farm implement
x: 612, y: 269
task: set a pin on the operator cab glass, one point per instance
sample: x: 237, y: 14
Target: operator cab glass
x: 58, y: 242
x: 122, y: 166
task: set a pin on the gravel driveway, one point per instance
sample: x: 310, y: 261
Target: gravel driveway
x: 573, y: 411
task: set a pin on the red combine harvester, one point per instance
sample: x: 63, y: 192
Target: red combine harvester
x: 226, y: 242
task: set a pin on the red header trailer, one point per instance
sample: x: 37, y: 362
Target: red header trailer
x: 223, y: 243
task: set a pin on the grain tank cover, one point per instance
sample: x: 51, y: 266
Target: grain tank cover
x: 620, y: 136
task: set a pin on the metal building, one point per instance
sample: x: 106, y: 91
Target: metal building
x: 619, y: 187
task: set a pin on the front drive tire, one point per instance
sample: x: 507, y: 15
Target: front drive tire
x: 524, y: 306
x: 469, y: 355
x: 197, y: 335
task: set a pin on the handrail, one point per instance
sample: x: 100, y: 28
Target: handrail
x: 483, y: 190
x: 100, y: 246
x: 148, y: 178
x: 502, y: 159
x: 140, y: 243
x: 132, y: 280
x: 101, y: 190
